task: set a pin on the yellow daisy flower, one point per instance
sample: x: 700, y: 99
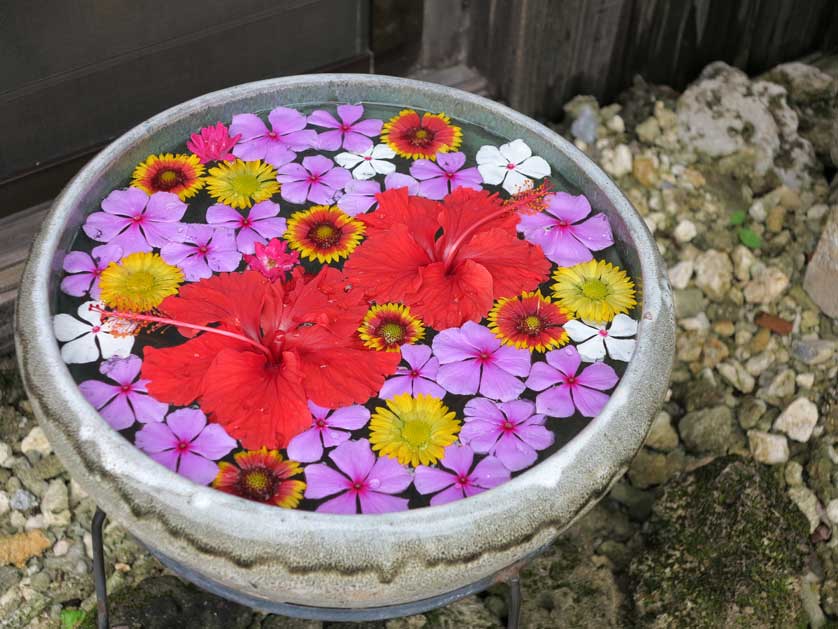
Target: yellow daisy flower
x: 595, y: 290
x: 323, y: 233
x: 139, y: 282
x: 241, y: 184
x: 179, y: 174
x: 414, y: 430
x: 389, y: 326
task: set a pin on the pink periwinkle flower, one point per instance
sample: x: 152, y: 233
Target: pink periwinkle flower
x: 472, y: 359
x: 272, y: 260
x: 350, y: 132
x: 562, y: 231
x: 573, y: 389
x: 363, y: 483
x: 277, y: 145
x: 437, y: 179
x: 186, y: 444
x: 328, y: 429
x: 84, y: 269
x: 360, y: 194
x: 213, y: 143
x: 203, y: 251
x: 509, y: 430
x: 127, y: 401
x: 135, y: 221
x: 417, y: 378
x: 259, y: 225
x: 459, y: 478
x: 317, y: 180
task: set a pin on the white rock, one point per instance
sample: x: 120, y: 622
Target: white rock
x: 4, y: 503
x: 713, y: 273
x: 36, y: 441
x: 61, y: 547
x: 766, y: 286
x: 685, y: 231
x: 822, y: 270
x: 680, y: 274
x: 616, y: 124
x: 662, y: 436
x: 794, y: 474
x: 735, y: 375
x: 805, y: 380
x: 617, y: 162
x: 6, y: 457
x: 55, y: 498
x: 768, y: 448
x: 743, y: 259
x: 798, y: 420
x: 807, y: 502
x: 35, y: 522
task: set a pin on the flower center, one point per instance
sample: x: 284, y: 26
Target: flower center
x: 320, y: 423
x: 245, y: 184
x: 510, y: 166
x: 357, y: 486
x: 258, y: 483
x: 182, y: 446
x: 125, y: 388
x: 603, y: 332
x: 324, y: 235
x: 168, y: 179
x: 449, y: 175
x: 416, y: 432
x: 312, y: 179
x: 463, y: 481
x: 594, y: 289
x: 420, y: 137
x: 368, y: 158
x: 392, y: 332
x: 139, y: 218
x: 484, y: 357
x: 531, y: 324
x: 96, y: 329
x: 245, y: 222
x: 203, y: 249
x: 570, y: 380
x: 139, y: 282
x: 414, y: 373
x: 507, y: 426
x: 273, y: 135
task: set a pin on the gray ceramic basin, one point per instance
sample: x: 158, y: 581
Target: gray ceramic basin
x: 270, y: 557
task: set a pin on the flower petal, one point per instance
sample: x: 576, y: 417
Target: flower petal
x: 592, y: 350
x: 213, y: 442
x: 594, y: 233
x: 186, y: 423
x: 514, y: 453
x: 306, y: 447
x: 354, y: 458
x: 197, y: 468
x: 620, y: 349
x: 343, y: 504
x: 429, y: 480
x: 516, y: 151
x: 322, y: 481
x: 373, y: 502
x: 499, y: 384
x: 588, y: 401
x: 565, y: 360
x: 598, y: 376
x: 555, y: 402
x: 350, y: 417
x: 388, y: 476
x: 578, y: 331
x: 462, y: 378
x: 542, y: 376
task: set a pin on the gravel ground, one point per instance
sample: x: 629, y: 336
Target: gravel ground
x: 725, y: 517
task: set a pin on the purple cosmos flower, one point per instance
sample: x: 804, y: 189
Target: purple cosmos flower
x: 363, y: 482
x: 417, y: 378
x: 127, y: 401
x: 86, y: 269
x: 137, y: 222
x: 186, y: 444
x: 573, y: 391
x: 360, y: 195
x: 560, y: 231
x: 277, y: 146
x: 260, y: 225
x: 317, y: 180
x: 352, y: 133
x: 203, y: 251
x: 463, y: 480
x: 472, y: 359
x: 328, y: 428
x: 509, y: 430
x: 440, y: 178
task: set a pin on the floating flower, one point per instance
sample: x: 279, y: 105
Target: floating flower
x: 127, y: 401
x: 583, y: 391
x: 179, y: 174
x: 328, y: 429
x: 441, y: 178
x: 213, y: 144
x: 323, y: 233
x: 139, y: 282
x: 596, y: 338
x: 186, y: 444
x: 203, y: 251
x: 528, y: 321
x: 563, y: 231
x: 86, y: 341
x: 448, y: 261
x: 277, y: 145
x: 463, y: 480
x: 259, y: 225
x: 135, y: 221
x: 414, y: 137
x: 369, y: 163
x: 360, y: 195
x: 351, y: 133
x: 241, y: 184
x: 363, y: 483
x: 272, y: 260
x: 413, y: 430
x: 261, y: 476
x: 595, y: 290
x: 472, y: 359
x: 417, y: 378
x: 511, y: 165
x: 389, y: 326
x: 84, y: 269
x: 317, y: 180
x: 509, y: 430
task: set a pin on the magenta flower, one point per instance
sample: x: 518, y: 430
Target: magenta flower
x: 186, y: 444
x: 582, y: 391
x: 418, y: 377
x: 272, y: 260
x: 564, y: 237
x: 463, y: 480
x: 352, y: 133
x: 277, y: 145
x: 317, y: 180
x: 137, y: 222
x: 509, y: 430
x: 203, y: 251
x: 85, y: 269
x: 440, y: 178
x: 213, y: 143
x: 127, y: 401
x: 260, y: 224
x: 472, y: 359
x: 364, y: 483
x: 360, y: 194
x: 328, y: 429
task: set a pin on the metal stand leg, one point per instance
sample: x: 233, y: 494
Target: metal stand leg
x: 102, y: 621
x: 514, y: 618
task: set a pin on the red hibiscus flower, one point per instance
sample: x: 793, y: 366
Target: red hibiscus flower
x: 275, y: 346
x: 448, y: 261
